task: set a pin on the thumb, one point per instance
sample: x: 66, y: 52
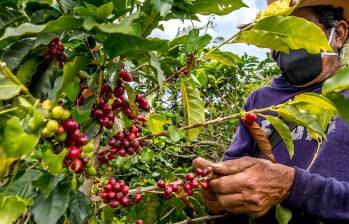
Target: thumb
x: 232, y: 167
x: 201, y: 163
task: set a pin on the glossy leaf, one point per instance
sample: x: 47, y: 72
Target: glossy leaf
x: 16, y: 142
x: 27, y: 70
x: 105, y: 10
x: 49, y: 210
x: 156, y: 123
x: 78, y: 207
x: 154, y: 62
x: 11, y: 208
x: 82, y: 113
x: 342, y: 104
x: 288, y: 32
x: 54, y: 162
x: 337, y: 83
x: 281, y: 7
x: 147, y: 155
x: 47, y: 183
x: 123, y: 27
x: 145, y: 210
x: 70, y: 70
x: 162, y: 6
x: 174, y: 134
x: 218, y: 7
x: 23, y: 185
x: 224, y: 57
x: 72, y: 90
x: 123, y: 45
x: 194, y: 110
x: 8, y: 89
x: 284, y: 132
x: 283, y: 215
x: 16, y: 52
x: 131, y: 94
x: 111, y: 74
x: 90, y: 128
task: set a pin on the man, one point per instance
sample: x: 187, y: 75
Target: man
x: 254, y: 186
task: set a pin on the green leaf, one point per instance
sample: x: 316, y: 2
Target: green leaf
x: 282, y: 7
x: 8, y: 89
x: 11, y: 208
x: 146, y: 210
x: 337, y: 83
x: 284, y: 132
x: 284, y: 33
x: 111, y: 74
x: 156, y: 123
x: 25, y: 28
x: 174, y: 134
x: 154, y: 62
x: 192, y: 42
x: 48, y: 183
x: 218, y: 7
x: 27, y: 70
x: 78, y: 207
x: 71, y: 70
x: 16, y: 142
x: 131, y: 94
x: 23, y: 185
x: 105, y: 10
x: 82, y: 113
x: 15, y: 53
x: 162, y: 6
x: 147, y: 155
x: 49, y: 210
x: 194, y: 110
x: 90, y: 128
x: 283, y: 215
x: 124, y: 27
x: 124, y: 45
x: 342, y: 105
x: 54, y: 162
x: 224, y: 57
x: 72, y: 90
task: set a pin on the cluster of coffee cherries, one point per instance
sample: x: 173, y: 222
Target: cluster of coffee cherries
x: 116, y: 193
x: 104, y: 113
x: 56, y: 50
x: 63, y: 130
x: 189, y: 185
x: 249, y: 118
x: 122, y: 144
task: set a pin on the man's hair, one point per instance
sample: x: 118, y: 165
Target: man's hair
x: 328, y: 15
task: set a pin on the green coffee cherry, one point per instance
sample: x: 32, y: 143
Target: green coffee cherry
x: 66, y: 115
x: 62, y: 137
x: 52, y: 125
x: 47, y: 133
x: 57, y: 112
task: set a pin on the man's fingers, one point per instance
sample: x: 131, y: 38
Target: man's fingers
x: 232, y: 167
x: 229, y: 184
x: 208, y: 195
x: 201, y: 163
x: 230, y: 200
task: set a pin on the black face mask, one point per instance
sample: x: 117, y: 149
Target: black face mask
x: 299, y: 67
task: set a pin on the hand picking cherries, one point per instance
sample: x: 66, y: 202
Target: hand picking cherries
x: 122, y: 144
x: 189, y: 185
x: 56, y: 50
x: 117, y: 193
x: 249, y: 118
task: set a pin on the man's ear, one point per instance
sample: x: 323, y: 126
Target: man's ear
x: 341, y: 35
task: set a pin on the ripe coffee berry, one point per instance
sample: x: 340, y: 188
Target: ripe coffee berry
x: 250, y: 118
x: 174, y: 187
x: 194, y: 184
x: 190, y: 177
x: 124, y: 75
x: 161, y: 184
x: 125, y: 201
x: 114, y: 203
x: 205, y: 185
x: 108, y: 187
x: 139, y: 221
x: 138, y: 198
x: 198, y: 172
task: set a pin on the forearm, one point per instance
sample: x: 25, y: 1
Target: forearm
x: 324, y: 198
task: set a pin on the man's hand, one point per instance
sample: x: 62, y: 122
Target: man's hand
x: 208, y: 198
x: 251, y: 186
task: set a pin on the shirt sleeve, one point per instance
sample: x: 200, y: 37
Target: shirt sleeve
x: 242, y: 143
x: 323, y: 198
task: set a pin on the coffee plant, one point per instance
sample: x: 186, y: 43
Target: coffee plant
x: 99, y: 122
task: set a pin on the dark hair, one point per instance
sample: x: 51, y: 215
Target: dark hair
x: 328, y: 15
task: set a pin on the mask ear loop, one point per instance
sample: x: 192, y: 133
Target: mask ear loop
x: 333, y: 30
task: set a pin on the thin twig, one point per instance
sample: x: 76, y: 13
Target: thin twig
x: 158, y: 86
x: 205, y: 218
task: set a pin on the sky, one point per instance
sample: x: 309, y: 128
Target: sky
x: 224, y: 26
